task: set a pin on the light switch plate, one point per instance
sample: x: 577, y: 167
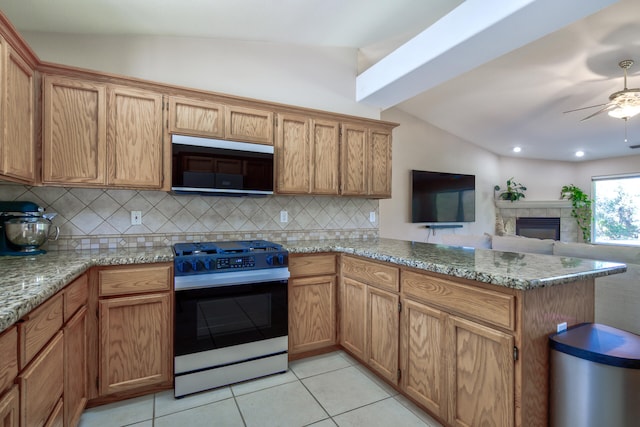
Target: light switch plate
x: 136, y: 217
x: 372, y: 216
x: 284, y: 216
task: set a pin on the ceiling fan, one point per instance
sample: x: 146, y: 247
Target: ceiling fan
x: 622, y: 104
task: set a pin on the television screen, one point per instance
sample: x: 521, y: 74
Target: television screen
x: 442, y: 197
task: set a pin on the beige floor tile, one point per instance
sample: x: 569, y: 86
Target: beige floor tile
x: 343, y: 390
x: 262, y: 383
x: 381, y: 383
x: 165, y: 403
x: 388, y: 412
x: 148, y: 423
x: 219, y: 414
x: 281, y: 406
x: 426, y: 418
x: 324, y: 423
x: 119, y: 414
x: 318, y: 364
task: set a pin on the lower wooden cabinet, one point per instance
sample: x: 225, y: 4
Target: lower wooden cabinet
x: 10, y: 408
x: 312, y: 313
x: 480, y: 374
x: 312, y: 302
x: 75, y: 367
x: 382, y: 320
x: 42, y: 383
x: 135, y: 348
x: 57, y: 416
x: 353, y: 326
x: 422, y: 356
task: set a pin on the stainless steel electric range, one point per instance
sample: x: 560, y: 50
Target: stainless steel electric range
x: 230, y: 313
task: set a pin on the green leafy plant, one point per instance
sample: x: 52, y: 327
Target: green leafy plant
x: 581, y: 211
x: 514, y: 191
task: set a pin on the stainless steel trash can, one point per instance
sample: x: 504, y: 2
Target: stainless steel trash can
x: 594, y: 377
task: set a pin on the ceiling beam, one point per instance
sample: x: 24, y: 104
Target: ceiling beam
x: 472, y: 34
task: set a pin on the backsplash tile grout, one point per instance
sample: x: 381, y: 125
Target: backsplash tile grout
x: 100, y: 218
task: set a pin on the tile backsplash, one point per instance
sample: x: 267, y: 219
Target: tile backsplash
x: 99, y: 218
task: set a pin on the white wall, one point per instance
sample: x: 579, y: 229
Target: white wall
x: 419, y: 145
x: 313, y: 77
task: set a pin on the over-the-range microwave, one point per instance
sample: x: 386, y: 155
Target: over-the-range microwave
x: 219, y: 167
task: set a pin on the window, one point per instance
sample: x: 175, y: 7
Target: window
x: 616, y: 213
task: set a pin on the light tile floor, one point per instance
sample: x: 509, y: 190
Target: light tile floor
x: 328, y: 390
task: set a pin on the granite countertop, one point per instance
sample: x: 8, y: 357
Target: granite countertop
x: 28, y: 281
x: 513, y: 270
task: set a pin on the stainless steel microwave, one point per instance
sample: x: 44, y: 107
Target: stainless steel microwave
x: 219, y: 167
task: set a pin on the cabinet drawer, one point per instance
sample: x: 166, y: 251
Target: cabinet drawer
x: 38, y: 328
x: 41, y: 384
x: 492, y: 307
x: 9, y: 358
x: 134, y: 280
x: 312, y: 265
x: 372, y: 273
x: 57, y: 416
x: 75, y: 296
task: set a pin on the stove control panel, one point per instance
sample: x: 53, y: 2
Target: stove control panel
x: 235, y: 262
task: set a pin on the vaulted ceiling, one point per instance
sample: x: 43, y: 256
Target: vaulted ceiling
x: 510, y: 95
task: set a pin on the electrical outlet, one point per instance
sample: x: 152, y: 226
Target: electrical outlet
x: 372, y: 216
x: 284, y: 216
x: 561, y: 327
x: 136, y: 217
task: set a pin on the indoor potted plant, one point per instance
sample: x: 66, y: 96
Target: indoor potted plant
x: 581, y: 204
x: 514, y: 191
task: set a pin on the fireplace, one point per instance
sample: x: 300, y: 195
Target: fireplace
x: 541, y: 228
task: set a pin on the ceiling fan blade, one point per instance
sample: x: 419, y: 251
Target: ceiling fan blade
x: 607, y: 107
x: 584, y: 108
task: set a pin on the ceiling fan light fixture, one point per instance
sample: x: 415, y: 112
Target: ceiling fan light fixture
x: 625, y: 112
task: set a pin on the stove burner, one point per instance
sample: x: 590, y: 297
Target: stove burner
x: 215, y: 257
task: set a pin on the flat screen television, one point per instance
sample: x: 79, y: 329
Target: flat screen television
x: 442, y: 197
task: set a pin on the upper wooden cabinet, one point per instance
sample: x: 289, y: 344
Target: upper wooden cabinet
x: 210, y: 119
x: 97, y: 134
x: 74, y: 141
x: 307, y: 152
x: 365, y: 161
x: 134, y: 138
x: 17, y: 143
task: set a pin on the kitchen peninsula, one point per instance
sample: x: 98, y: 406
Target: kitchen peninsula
x: 469, y: 342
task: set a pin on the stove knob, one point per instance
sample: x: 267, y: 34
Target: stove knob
x: 280, y: 259
x: 195, y: 264
x: 270, y: 260
x: 206, y: 263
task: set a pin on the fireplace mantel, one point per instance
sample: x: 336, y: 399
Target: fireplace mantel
x: 528, y: 204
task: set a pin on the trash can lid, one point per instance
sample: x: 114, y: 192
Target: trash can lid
x: 599, y: 343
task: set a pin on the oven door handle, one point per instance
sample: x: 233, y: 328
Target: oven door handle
x: 216, y: 280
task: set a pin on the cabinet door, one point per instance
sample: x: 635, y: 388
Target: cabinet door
x: 422, y: 356
x: 353, y: 166
x: 293, y: 154
x: 74, y: 144
x: 10, y: 407
x: 17, y: 140
x: 248, y: 124
x: 134, y: 138
x: 312, y: 313
x: 9, y: 357
x: 325, y: 150
x: 75, y: 367
x: 480, y: 375
x: 352, y: 316
x: 382, y: 332
x: 195, y: 117
x: 380, y: 163
x: 41, y: 384
x: 135, y: 348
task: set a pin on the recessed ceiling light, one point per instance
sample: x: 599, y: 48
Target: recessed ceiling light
x: 517, y: 149
x: 579, y: 153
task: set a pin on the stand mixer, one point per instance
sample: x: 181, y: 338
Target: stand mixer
x: 24, y: 227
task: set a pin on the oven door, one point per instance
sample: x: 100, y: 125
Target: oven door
x: 224, y: 316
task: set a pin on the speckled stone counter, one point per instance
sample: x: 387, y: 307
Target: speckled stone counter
x: 509, y: 269
x: 27, y: 281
